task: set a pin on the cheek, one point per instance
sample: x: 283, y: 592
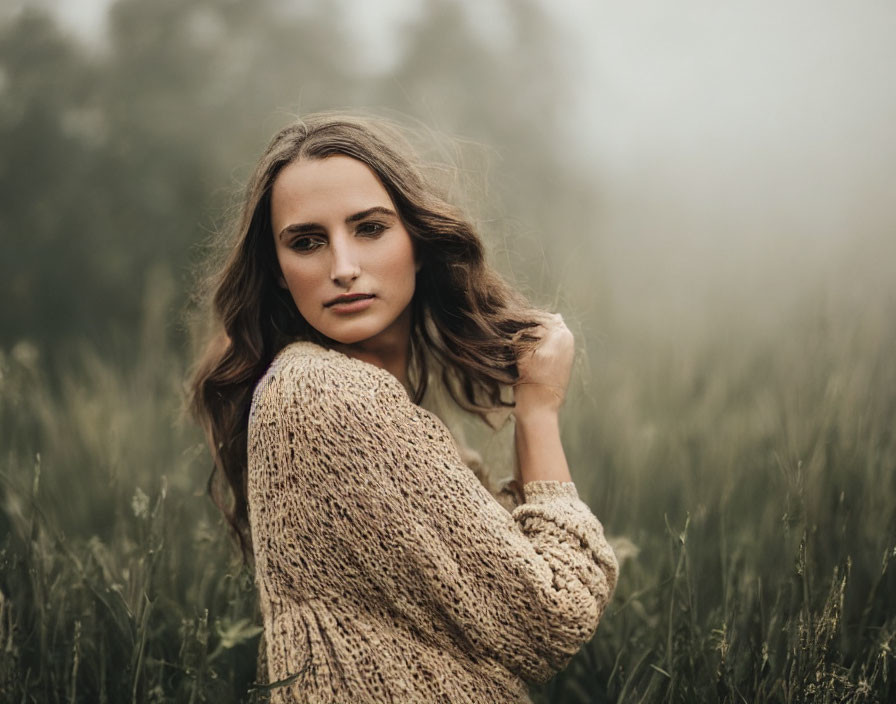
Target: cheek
x: 401, y: 264
x: 302, y: 281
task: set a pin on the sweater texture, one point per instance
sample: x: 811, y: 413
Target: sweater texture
x: 386, y: 571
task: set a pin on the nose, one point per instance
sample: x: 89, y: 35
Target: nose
x: 344, y: 265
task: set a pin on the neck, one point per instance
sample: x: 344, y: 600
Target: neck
x: 390, y: 350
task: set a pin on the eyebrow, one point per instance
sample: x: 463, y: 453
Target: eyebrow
x: 376, y: 210
x: 307, y: 227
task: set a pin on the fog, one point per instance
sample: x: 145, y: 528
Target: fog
x: 743, y: 151
x: 731, y: 159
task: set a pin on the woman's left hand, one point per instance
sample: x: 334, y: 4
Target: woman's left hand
x: 544, y: 371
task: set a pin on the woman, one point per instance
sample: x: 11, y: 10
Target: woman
x: 387, y: 572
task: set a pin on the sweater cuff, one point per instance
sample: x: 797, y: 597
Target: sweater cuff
x: 543, y: 491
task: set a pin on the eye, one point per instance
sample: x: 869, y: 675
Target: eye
x: 307, y: 243
x: 370, y: 228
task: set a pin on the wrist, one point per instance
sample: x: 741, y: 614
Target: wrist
x: 536, y: 399
x: 539, y: 450
x: 536, y: 417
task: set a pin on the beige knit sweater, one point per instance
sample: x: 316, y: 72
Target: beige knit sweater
x: 386, y: 571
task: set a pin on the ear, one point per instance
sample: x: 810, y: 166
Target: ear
x: 281, y: 282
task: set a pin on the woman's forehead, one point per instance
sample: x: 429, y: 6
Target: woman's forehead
x: 311, y: 189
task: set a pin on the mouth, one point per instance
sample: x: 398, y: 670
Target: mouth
x: 348, y: 298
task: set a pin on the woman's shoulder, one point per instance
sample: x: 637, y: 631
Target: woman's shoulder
x: 321, y: 377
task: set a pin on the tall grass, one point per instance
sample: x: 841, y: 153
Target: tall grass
x: 756, y: 474
x: 753, y: 478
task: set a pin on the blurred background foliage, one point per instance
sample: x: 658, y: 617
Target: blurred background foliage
x: 118, y: 161
x: 732, y: 423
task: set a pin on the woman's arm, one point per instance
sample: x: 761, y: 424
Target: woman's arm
x: 539, y: 453
x: 539, y: 393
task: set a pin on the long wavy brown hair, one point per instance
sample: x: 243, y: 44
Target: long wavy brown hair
x: 468, y: 324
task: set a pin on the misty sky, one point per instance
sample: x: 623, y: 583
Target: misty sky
x: 745, y: 136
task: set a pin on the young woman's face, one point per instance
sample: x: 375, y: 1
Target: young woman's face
x: 345, y: 256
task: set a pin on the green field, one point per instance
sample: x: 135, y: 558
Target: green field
x: 748, y: 480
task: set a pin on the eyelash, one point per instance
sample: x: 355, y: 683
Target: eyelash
x: 309, y: 243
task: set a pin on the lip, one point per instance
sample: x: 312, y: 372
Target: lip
x: 350, y: 302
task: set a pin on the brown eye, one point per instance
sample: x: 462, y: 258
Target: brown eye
x: 306, y: 244
x: 371, y: 229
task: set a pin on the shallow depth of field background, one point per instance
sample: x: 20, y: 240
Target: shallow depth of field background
x: 707, y: 192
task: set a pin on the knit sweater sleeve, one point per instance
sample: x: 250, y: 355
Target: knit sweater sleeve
x: 342, y: 455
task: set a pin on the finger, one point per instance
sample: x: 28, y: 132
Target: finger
x: 536, y: 331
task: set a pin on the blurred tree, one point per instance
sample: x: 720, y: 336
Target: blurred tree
x: 91, y: 201
x: 50, y: 138
x: 116, y: 157
x: 112, y: 159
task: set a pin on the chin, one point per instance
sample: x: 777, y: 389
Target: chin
x: 349, y: 337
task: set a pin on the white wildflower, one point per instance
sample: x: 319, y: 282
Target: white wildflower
x: 140, y: 504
